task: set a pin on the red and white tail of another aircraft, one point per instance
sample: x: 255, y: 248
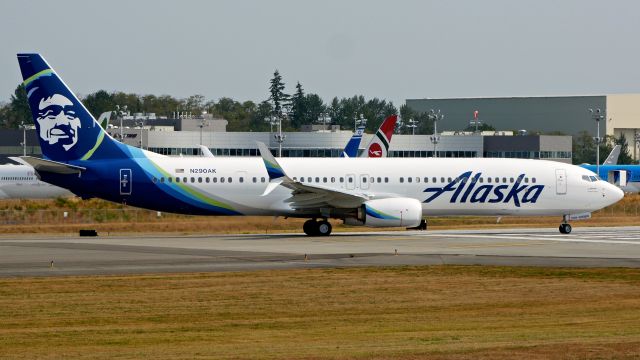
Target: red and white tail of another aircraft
x: 379, y: 144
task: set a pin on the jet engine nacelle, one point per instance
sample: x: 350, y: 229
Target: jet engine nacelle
x: 393, y: 212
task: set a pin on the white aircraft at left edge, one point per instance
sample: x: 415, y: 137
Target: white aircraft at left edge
x: 80, y: 156
x: 20, y: 182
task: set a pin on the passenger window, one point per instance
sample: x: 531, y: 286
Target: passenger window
x: 526, y: 180
x: 533, y: 180
x: 449, y: 179
x: 170, y: 179
x: 262, y: 179
x: 372, y: 180
x: 341, y: 179
x: 417, y: 179
x: 301, y: 179
x: 401, y: 180
x: 162, y: 180
x: 207, y: 179
x: 434, y: 180
x: 510, y: 180
x: 255, y: 179
x: 333, y: 179
x: 504, y: 179
x: 308, y: 179
x: 386, y: 179
x: 154, y: 180
x: 426, y: 179
x: 350, y: 179
x: 324, y: 179
x: 241, y: 179
x: 364, y: 179
x: 215, y: 180
x: 177, y: 179
x: 497, y: 180
x: 480, y: 180
x: 184, y: 180
x: 193, y: 180
x: 200, y: 179
x: 489, y: 180
x: 379, y: 180
x: 317, y: 179
x: 409, y: 179
x: 229, y: 179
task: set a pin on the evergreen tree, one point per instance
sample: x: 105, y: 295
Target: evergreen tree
x: 625, y: 156
x: 18, y: 110
x: 279, y: 99
x: 298, y: 108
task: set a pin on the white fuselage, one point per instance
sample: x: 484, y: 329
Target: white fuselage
x: 545, y: 187
x: 20, y: 182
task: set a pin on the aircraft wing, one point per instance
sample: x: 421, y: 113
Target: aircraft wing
x: 307, y: 196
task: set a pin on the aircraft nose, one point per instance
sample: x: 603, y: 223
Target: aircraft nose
x: 612, y: 193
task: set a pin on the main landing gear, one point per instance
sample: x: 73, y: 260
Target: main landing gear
x: 317, y: 228
x: 565, y: 227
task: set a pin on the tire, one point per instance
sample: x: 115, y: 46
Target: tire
x: 310, y: 227
x: 567, y: 228
x: 324, y: 228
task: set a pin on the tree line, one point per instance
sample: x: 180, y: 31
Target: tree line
x: 295, y: 110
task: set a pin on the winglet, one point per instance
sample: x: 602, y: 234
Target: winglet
x: 273, y: 168
x: 205, y: 151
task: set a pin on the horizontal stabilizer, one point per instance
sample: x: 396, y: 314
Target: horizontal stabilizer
x: 42, y: 165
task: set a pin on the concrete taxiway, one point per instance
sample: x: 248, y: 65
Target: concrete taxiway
x: 57, y: 255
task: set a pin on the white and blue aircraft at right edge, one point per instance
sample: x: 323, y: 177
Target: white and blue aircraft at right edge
x: 386, y: 192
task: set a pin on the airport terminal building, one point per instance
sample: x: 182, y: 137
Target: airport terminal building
x: 178, y: 137
x: 553, y: 114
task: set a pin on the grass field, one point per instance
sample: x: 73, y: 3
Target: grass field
x: 48, y: 216
x: 452, y: 312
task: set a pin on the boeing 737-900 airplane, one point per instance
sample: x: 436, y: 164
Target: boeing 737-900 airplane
x: 80, y: 156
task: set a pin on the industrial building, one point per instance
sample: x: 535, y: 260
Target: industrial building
x: 620, y: 114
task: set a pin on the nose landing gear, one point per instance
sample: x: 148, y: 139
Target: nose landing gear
x: 565, y: 227
x: 317, y: 228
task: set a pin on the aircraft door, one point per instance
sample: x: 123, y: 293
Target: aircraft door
x: 351, y: 181
x: 125, y: 181
x: 364, y: 181
x: 561, y: 181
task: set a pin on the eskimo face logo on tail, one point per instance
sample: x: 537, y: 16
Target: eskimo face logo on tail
x: 58, y: 121
x: 466, y: 188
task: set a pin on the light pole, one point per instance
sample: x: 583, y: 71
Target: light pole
x: 24, y: 138
x: 413, y: 124
x: 324, y: 117
x: 636, y: 139
x: 597, y: 116
x: 435, y: 138
x: 202, y: 124
x: 279, y: 136
x: 359, y: 121
x: 121, y: 111
x: 141, y: 125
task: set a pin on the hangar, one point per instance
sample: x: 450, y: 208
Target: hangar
x: 543, y: 114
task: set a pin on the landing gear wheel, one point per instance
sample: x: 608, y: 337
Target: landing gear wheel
x: 310, y: 227
x: 565, y: 228
x: 324, y: 228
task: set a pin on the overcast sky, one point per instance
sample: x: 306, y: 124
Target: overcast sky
x: 388, y: 49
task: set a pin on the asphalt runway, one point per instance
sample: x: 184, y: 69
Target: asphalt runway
x: 28, y: 255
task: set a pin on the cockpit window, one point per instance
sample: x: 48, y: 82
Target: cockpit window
x: 593, y: 178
